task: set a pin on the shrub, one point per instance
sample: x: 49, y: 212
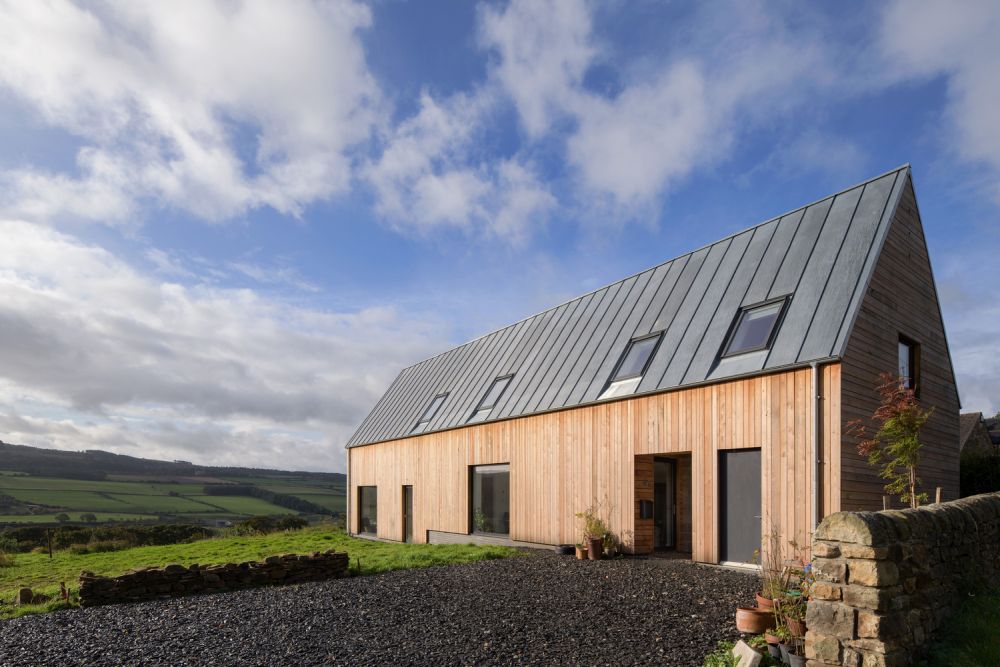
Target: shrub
x: 8, y: 544
x: 99, y: 546
x: 6, y: 559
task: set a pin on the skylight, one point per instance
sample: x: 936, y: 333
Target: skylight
x: 632, y: 366
x: 491, y: 398
x: 425, y: 419
x: 755, y: 328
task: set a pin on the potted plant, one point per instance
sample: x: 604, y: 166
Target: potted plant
x: 581, y: 552
x: 774, y: 576
x: 795, y: 654
x: 610, y: 545
x: 784, y: 637
x: 773, y: 644
x: 594, y: 530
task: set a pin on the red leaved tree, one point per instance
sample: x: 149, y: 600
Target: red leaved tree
x: 890, y: 438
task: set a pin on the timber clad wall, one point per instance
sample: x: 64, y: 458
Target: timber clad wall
x: 563, y: 462
x: 901, y: 299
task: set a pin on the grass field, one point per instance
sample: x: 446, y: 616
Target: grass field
x: 971, y: 638
x: 121, y: 500
x: 40, y: 573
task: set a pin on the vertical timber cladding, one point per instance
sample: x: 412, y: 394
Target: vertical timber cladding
x: 563, y: 462
x: 901, y: 299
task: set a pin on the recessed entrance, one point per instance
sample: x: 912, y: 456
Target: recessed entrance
x: 408, y: 513
x: 664, y: 505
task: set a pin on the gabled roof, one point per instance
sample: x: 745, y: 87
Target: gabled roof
x: 967, y: 421
x: 821, y: 256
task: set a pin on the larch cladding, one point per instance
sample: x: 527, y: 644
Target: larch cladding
x: 885, y: 581
x: 563, y: 462
x: 901, y: 299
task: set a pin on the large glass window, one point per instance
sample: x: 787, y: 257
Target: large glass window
x: 491, y: 398
x: 909, y: 363
x: 755, y: 328
x: 367, y: 509
x: 491, y: 499
x: 432, y: 409
x: 632, y: 366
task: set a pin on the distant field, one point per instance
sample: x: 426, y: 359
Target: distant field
x: 144, y: 499
x: 74, y: 516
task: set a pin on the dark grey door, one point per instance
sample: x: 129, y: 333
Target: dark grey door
x: 739, y: 505
x: 407, y: 513
x: 664, y: 509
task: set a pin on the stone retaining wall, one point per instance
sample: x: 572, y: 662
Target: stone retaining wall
x: 174, y: 580
x: 885, y: 581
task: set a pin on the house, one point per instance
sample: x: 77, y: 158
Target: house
x: 974, y: 437
x: 697, y: 404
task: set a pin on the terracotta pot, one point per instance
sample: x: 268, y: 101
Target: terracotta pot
x: 771, y: 639
x: 595, y: 548
x: 797, y: 628
x: 753, y: 620
x: 763, y: 602
x: 581, y: 553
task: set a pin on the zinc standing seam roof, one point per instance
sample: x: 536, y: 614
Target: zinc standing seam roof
x: 820, y: 257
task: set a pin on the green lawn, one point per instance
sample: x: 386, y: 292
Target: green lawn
x: 43, y: 574
x: 971, y: 637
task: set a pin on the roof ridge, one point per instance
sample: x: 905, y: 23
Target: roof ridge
x: 902, y: 167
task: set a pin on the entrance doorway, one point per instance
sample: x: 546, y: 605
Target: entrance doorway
x: 739, y: 505
x: 408, y: 513
x: 664, y: 504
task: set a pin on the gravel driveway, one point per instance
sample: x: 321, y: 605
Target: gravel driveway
x: 544, y: 609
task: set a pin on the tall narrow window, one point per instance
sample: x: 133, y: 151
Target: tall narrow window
x: 491, y: 398
x: 632, y: 366
x: 909, y: 363
x: 432, y: 409
x: 490, y: 506
x: 368, y: 510
x: 755, y: 328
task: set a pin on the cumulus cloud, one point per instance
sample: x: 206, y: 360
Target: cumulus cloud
x: 158, y: 93
x: 926, y: 39
x: 158, y: 364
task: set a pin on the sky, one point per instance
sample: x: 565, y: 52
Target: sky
x: 226, y: 226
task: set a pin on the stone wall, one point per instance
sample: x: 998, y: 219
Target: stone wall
x: 885, y: 581
x: 174, y: 580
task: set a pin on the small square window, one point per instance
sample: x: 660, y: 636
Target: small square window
x: 755, y: 328
x: 909, y: 363
x: 632, y: 366
x: 432, y: 409
x: 491, y: 398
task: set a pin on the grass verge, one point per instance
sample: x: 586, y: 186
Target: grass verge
x: 971, y: 638
x: 42, y: 574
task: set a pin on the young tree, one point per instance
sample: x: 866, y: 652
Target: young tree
x: 891, y: 438
x: 62, y: 517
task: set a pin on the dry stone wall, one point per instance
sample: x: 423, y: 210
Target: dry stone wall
x: 885, y: 581
x: 174, y: 580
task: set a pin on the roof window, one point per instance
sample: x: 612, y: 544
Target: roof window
x: 432, y: 409
x: 632, y: 366
x: 755, y: 327
x: 491, y: 398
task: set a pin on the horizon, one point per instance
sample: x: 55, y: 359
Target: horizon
x: 229, y: 226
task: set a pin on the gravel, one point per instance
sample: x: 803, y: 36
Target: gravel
x: 545, y: 609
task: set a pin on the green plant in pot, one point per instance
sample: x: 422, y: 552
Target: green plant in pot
x: 774, y: 576
x: 594, y: 530
x: 610, y: 544
x: 581, y: 552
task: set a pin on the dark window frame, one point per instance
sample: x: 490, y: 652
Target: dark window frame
x: 480, y: 406
x: 613, y: 378
x: 738, y: 320
x: 913, y: 348
x: 424, y: 417
x: 361, y: 505
x: 472, y: 499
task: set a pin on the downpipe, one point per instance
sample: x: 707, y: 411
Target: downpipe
x: 816, y: 457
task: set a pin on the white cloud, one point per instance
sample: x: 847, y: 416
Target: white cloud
x: 158, y: 91
x: 134, y: 360
x: 545, y: 48
x: 924, y: 39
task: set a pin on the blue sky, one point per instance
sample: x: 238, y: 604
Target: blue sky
x: 228, y: 226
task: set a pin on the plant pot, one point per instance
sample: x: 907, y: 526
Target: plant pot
x: 774, y: 650
x: 796, y: 660
x: 797, y: 628
x: 771, y: 639
x: 763, y: 602
x: 595, y: 548
x: 784, y: 652
x: 581, y: 553
x: 754, y: 620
